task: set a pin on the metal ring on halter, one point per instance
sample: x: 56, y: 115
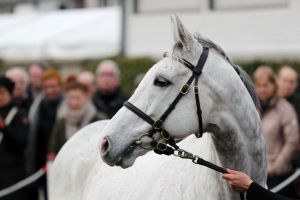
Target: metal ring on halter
x: 196, y: 89
x: 185, y: 89
x: 158, y: 124
x: 165, y: 135
x: 161, y: 146
x: 183, y: 154
x: 195, y: 159
x: 139, y: 142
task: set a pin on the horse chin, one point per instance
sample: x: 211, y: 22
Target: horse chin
x: 126, y: 163
x: 128, y: 160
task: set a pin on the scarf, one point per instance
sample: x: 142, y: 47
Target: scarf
x: 77, y: 119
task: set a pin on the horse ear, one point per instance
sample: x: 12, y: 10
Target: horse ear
x: 181, y: 34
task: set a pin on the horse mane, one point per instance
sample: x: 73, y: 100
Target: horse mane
x: 242, y: 73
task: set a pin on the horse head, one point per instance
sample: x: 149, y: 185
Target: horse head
x: 130, y: 134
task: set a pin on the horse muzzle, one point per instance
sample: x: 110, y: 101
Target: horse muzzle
x: 105, y: 151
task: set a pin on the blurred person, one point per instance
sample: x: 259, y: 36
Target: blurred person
x: 76, y: 112
x: 42, y: 117
x: 287, y: 85
x: 21, y: 97
x: 87, y: 78
x: 13, y: 140
x: 137, y: 79
x: 279, y: 127
x: 108, y: 97
x: 35, y: 79
x: 241, y: 182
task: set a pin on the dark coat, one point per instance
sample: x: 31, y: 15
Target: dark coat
x: 42, y: 116
x: 295, y: 101
x: 257, y: 192
x: 24, y: 103
x: 12, y: 163
x: 109, y: 104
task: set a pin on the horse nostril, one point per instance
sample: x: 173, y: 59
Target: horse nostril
x: 104, y: 146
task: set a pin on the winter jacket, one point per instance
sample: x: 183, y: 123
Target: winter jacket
x: 42, y: 117
x: 12, y: 146
x: 280, y: 130
x: 257, y: 192
x: 109, y: 104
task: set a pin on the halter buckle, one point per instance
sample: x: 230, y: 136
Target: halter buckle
x: 196, y: 89
x: 185, y: 89
x: 165, y: 135
x: 183, y: 154
x: 196, y: 159
x: 161, y: 146
x: 158, y: 124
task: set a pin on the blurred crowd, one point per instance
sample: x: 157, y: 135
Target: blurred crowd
x: 39, y: 112
x: 280, y: 109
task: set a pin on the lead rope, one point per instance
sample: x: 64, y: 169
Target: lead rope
x: 195, y: 159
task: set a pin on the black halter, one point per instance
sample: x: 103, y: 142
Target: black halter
x: 161, y: 147
x: 157, y: 126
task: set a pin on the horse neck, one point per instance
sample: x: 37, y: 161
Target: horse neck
x: 239, y: 144
x: 232, y: 141
x: 238, y: 140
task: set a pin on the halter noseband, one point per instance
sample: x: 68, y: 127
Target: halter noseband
x: 157, y: 126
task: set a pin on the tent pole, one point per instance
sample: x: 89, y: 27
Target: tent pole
x: 123, y: 28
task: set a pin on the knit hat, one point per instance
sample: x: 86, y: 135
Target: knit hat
x: 7, y: 83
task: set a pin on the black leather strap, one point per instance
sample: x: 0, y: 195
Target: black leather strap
x: 197, y: 70
x: 201, y: 62
x: 199, y: 111
x: 139, y: 113
x: 210, y: 165
x: 158, y: 125
x: 162, y: 147
x: 175, y: 101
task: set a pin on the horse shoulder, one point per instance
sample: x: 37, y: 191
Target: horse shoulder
x: 74, y: 161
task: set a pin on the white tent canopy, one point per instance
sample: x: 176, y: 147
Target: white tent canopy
x: 63, y: 35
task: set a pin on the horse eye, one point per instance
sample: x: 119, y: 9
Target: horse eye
x: 161, y: 82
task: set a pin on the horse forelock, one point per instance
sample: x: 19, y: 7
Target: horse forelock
x: 205, y: 42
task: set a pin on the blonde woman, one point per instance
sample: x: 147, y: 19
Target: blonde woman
x: 279, y: 126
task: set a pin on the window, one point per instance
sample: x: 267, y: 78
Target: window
x: 232, y: 4
x: 141, y: 6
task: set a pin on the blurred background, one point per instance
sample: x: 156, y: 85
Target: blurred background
x: 73, y: 35
x: 67, y: 63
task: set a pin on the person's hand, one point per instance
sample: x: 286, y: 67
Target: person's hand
x: 238, y: 181
x: 2, y: 124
